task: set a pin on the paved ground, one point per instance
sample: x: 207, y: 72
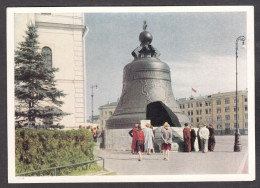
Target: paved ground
x: 222, y: 161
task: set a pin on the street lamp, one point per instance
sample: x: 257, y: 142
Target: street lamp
x: 92, y: 95
x: 237, y: 146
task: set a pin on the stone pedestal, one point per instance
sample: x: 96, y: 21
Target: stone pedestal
x: 118, y: 139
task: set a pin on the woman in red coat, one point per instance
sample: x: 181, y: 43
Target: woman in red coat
x: 132, y: 133
x: 140, y: 142
x: 187, y: 137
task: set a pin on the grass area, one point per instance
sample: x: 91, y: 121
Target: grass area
x: 94, y: 168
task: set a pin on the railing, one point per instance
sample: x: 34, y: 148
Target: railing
x: 59, y: 167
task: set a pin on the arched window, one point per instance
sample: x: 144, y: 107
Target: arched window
x: 47, y: 56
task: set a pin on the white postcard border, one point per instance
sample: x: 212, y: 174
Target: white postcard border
x: 144, y: 178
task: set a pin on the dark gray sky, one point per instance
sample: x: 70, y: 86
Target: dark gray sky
x: 198, y: 47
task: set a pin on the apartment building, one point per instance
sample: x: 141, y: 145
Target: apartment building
x: 218, y: 109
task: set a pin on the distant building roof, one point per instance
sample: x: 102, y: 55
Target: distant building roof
x: 219, y: 94
x: 110, y: 104
x: 181, y: 99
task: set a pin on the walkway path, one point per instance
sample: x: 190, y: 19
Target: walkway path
x: 222, y: 161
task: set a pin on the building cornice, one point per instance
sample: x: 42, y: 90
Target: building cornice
x: 60, y: 25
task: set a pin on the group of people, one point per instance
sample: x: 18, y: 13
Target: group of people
x: 143, y: 140
x: 204, y: 138
x: 96, y: 131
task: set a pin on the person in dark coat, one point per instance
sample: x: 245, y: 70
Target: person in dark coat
x: 94, y: 132
x: 192, y: 138
x: 151, y: 127
x: 198, y: 135
x: 187, y: 137
x: 212, y: 140
x: 140, y: 139
x: 132, y: 133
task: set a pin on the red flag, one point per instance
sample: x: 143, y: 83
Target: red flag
x: 193, y: 90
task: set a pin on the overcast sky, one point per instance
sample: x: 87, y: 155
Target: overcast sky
x: 198, y: 47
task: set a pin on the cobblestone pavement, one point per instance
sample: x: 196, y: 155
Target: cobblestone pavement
x: 222, y: 161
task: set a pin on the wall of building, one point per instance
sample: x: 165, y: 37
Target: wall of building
x: 105, y: 112
x: 218, y: 109
x: 63, y: 34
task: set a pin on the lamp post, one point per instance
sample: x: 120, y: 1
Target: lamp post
x: 237, y: 146
x: 92, y: 95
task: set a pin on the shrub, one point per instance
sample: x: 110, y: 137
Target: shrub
x: 41, y: 149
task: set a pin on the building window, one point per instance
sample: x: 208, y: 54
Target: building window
x: 191, y: 120
x: 191, y: 105
x: 246, y: 116
x: 199, y: 104
x: 246, y: 99
x: 235, y: 101
x: 235, y: 116
x: 207, y: 103
x: 246, y: 125
x: 227, y: 109
x: 218, y: 118
x: 199, y: 119
x: 199, y: 112
x: 235, y: 109
x: 227, y: 101
x: 188, y: 105
x: 227, y: 117
x: 188, y: 113
x: 246, y: 108
x: 208, y: 119
x: 218, y: 102
x: 219, y: 126
x: 227, y: 125
x: 218, y: 110
x: 207, y: 111
x: 47, y: 56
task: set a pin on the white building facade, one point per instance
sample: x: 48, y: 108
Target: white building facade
x: 105, y: 112
x: 63, y: 36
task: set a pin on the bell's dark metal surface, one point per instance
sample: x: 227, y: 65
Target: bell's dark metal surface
x: 147, y: 92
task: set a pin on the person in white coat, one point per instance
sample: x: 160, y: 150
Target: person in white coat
x: 204, y: 137
x: 149, y: 136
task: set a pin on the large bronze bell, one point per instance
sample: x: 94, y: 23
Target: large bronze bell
x: 147, y: 92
